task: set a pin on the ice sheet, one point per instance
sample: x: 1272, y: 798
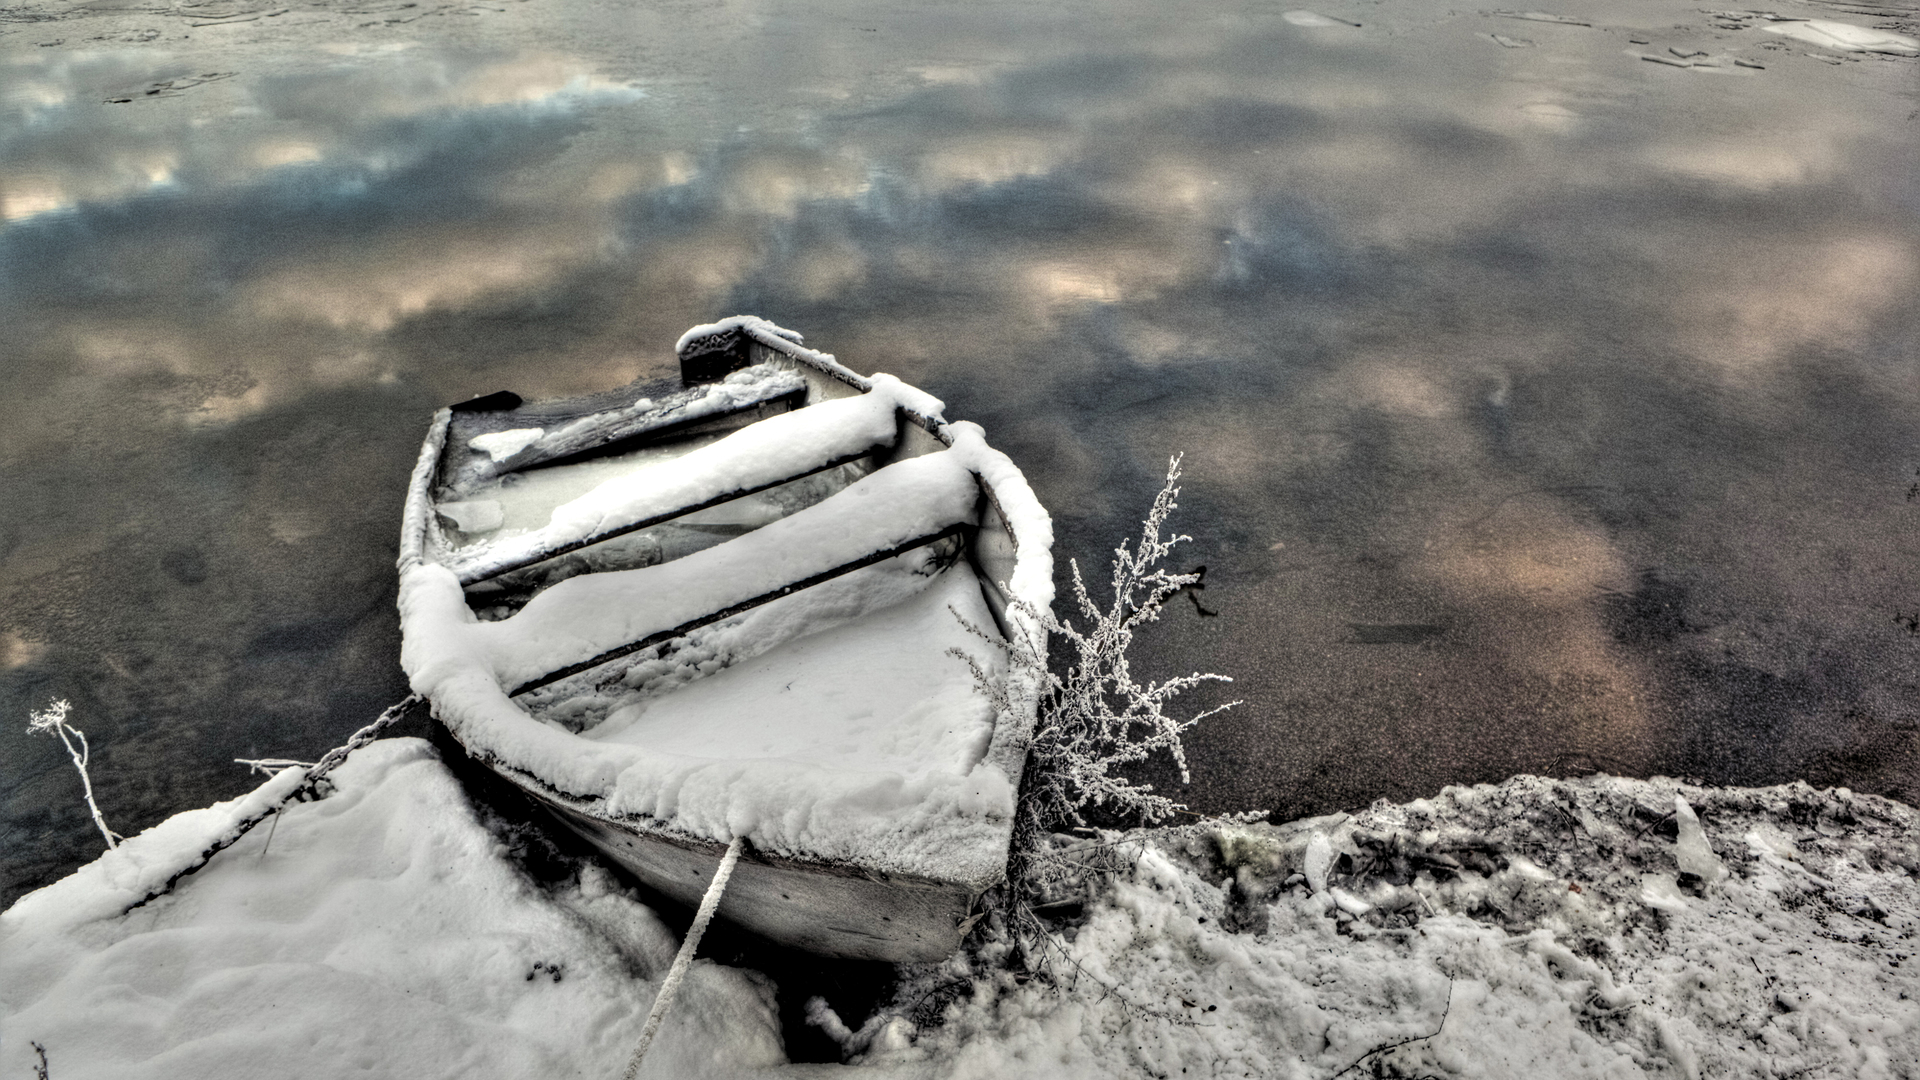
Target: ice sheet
x: 1846, y: 37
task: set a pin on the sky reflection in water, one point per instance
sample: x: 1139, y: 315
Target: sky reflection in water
x: 1544, y: 409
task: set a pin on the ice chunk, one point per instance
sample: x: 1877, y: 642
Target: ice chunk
x: 473, y: 515
x: 1661, y: 891
x: 1769, y: 839
x: 1694, y: 854
x: 1314, y: 18
x: 501, y: 445
x: 1847, y: 37
x: 1350, y: 903
x: 1319, y: 860
x: 1540, y: 16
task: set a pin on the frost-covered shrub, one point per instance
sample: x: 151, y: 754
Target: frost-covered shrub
x: 1094, y: 717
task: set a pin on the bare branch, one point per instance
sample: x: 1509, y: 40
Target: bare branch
x: 54, y: 719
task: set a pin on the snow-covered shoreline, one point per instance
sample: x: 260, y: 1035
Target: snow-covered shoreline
x: 1539, y: 927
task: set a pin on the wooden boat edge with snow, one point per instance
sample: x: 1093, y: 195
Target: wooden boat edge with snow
x: 826, y: 906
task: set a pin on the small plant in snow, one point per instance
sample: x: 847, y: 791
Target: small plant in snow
x: 54, y: 719
x: 1093, y: 720
x: 1097, y: 718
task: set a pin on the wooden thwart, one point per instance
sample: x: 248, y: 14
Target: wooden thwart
x: 958, y: 530
x: 487, y: 570
x: 618, y: 433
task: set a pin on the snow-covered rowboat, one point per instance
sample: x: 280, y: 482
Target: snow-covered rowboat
x: 730, y: 607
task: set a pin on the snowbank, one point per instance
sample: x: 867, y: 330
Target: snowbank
x: 1591, y: 928
x: 381, y: 934
x: 1534, y: 929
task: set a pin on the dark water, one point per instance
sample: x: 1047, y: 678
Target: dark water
x: 1544, y: 409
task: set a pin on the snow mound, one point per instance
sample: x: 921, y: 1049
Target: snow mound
x: 1538, y: 928
x: 1587, y: 928
x: 381, y: 934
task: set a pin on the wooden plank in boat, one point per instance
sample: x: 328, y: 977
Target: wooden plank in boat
x: 484, y: 568
x: 959, y: 531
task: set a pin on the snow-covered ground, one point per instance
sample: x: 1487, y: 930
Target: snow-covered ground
x: 1596, y: 927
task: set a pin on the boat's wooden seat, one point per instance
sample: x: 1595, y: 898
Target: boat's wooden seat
x: 587, y: 621
x: 612, y: 422
x: 775, y: 451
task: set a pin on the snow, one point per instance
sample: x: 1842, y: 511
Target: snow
x: 585, y: 616
x: 501, y: 445
x: 862, y: 742
x: 1846, y: 37
x: 736, y: 322
x: 944, y: 817
x: 912, y: 707
x: 1511, y: 920
x: 1491, y: 931
x: 740, y: 389
x: 381, y: 934
x: 652, y: 483
x: 787, y: 343
x: 1029, y: 521
x: 474, y: 515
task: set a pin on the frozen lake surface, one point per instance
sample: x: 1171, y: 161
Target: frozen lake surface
x: 1547, y: 380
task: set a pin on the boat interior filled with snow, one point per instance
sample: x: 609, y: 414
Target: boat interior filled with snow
x: 771, y: 601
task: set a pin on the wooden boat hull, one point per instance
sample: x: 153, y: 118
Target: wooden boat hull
x: 817, y: 905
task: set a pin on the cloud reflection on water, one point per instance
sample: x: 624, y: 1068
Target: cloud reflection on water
x: 1602, y: 385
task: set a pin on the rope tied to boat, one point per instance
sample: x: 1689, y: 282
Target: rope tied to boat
x: 684, y: 959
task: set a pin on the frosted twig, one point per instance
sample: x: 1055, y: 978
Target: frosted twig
x: 671, y: 985
x: 54, y: 719
x: 1097, y: 717
x: 315, y: 773
x: 1434, y: 1034
x: 271, y: 829
x: 271, y: 766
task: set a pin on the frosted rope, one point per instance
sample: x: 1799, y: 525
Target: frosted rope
x: 664, y: 1000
